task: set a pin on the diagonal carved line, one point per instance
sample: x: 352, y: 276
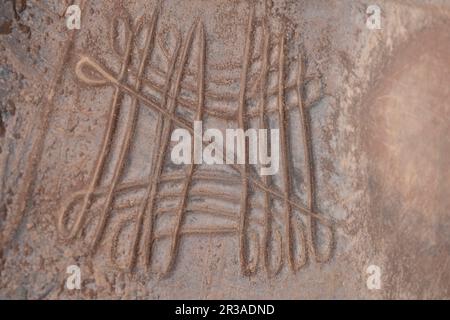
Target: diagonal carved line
x: 309, y: 167
x: 184, y: 197
x: 129, y: 131
x: 306, y: 134
x: 155, y: 174
x: 152, y: 104
x: 243, y: 168
x: 283, y: 125
x: 304, y: 124
x: 106, y: 145
x: 167, y: 119
x: 35, y: 156
x: 183, y: 123
x: 115, y: 241
x: 263, y: 125
x: 164, y: 133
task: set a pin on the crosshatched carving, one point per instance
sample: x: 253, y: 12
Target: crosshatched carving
x: 284, y: 228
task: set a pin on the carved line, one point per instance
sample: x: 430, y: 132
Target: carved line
x: 245, y: 175
x: 199, y: 209
x: 198, y: 231
x: 284, y: 152
x: 246, y: 269
x: 35, y: 156
x: 154, y: 179
x: 129, y: 131
x: 266, y: 179
x: 309, y: 169
x: 165, y: 139
x: 149, y: 102
x: 115, y: 241
x: 200, y: 193
x: 106, y: 143
x: 202, y: 175
x: 221, y: 114
x: 191, y: 167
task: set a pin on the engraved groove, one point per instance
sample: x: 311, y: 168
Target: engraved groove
x: 167, y: 118
x: 245, y: 268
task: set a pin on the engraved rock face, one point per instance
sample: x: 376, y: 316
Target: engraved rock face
x: 87, y: 178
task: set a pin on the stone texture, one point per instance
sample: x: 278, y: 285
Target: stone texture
x: 86, y: 116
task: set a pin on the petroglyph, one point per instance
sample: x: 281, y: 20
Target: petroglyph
x: 43, y: 123
x: 88, y: 179
x: 277, y: 226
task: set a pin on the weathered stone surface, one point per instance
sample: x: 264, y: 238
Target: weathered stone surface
x: 86, y: 118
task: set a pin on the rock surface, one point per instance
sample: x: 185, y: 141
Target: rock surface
x: 86, y: 177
